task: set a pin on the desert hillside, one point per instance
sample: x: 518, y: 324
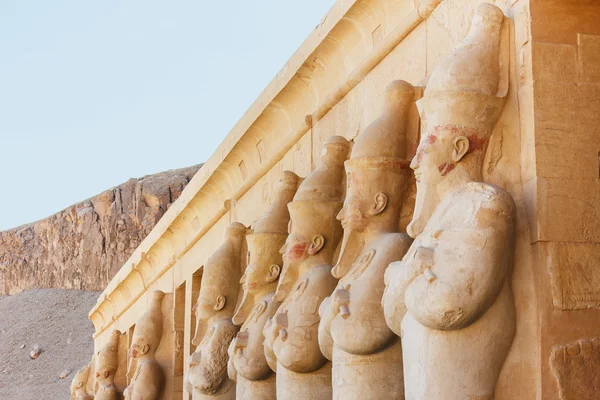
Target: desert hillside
x: 83, y: 246
x: 56, y: 321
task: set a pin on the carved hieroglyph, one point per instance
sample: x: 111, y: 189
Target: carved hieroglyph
x: 366, y: 354
x: 79, y: 383
x: 106, y: 366
x: 147, y: 381
x: 207, y: 370
x: 291, y: 336
x: 449, y: 298
x: 576, y: 367
x: 255, y: 379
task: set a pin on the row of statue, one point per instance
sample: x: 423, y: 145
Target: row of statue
x: 422, y: 314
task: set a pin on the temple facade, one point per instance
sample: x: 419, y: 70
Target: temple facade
x: 479, y: 279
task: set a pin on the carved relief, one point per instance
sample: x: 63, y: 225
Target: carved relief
x: 291, y: 336
x: 147, y: 380
x: 574, y: 279
x: 248, y: 365
x: 576, y: 368
x: 178, y: 353
x: 207, y: 366
x: 449, y: 298
x: 353, y: 331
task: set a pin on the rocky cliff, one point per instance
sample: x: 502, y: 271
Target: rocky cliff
x: 83, y: 246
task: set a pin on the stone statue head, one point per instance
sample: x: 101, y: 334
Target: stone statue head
x: 459, y: 110
x: 79, y: 382
x: 264, y: 260
x: 148, y: 330
x: 377, y: 174
x: 107, y: 359
x: 220, y: 281
x: 313, y: 231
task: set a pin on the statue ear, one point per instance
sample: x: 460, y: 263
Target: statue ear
x: 107, y: 373
x: 461, y: 147
x: 145, y: 349
x: 79, y: 384
x: 318, y: 241
x: 220, y: 303
x: 274, y: 271
x: 380, y: 200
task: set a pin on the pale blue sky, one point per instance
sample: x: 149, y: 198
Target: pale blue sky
x: 93, y: 93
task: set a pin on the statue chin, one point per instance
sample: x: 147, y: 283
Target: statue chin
x: 425, y: 204
x: 352, y: 246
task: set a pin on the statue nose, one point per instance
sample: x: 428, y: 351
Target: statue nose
x: 340, y: 216
x: 414, y: 164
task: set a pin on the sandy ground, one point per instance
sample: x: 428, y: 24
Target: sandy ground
x: 57, y: 321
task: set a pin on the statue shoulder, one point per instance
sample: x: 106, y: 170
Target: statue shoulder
x: 481, y: 195
x: 399, y: 242
x: 398, y: 238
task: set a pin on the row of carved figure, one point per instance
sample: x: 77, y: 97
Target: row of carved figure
x: 422, y: 314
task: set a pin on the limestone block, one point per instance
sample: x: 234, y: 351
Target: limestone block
x: 555, y: 62
x: 574, y: 202
x: 589, y: 57
x: 559, y: 21
x: 566, y: 130
x: 574, y: 273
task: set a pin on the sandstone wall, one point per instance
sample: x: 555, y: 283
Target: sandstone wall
x: 83, y: 246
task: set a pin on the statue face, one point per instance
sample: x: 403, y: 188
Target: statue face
x: 352, y: 215
x: 295, y: 249
x: 205, y: 307
x: 431, y: 163
x: 103, y: 373
x: 253, y: 278
x: 139, y: 347
x: 434, y: 157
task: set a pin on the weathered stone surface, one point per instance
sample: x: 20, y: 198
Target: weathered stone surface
x: 575, y: 366
x: 352, y: 332
x: 147, y: 382
x: 83, y: 246
x: 106, y: 362
x: 207, y: 367
x: 291, y: 336
x: 449, y: 298
x: 248, y: 364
